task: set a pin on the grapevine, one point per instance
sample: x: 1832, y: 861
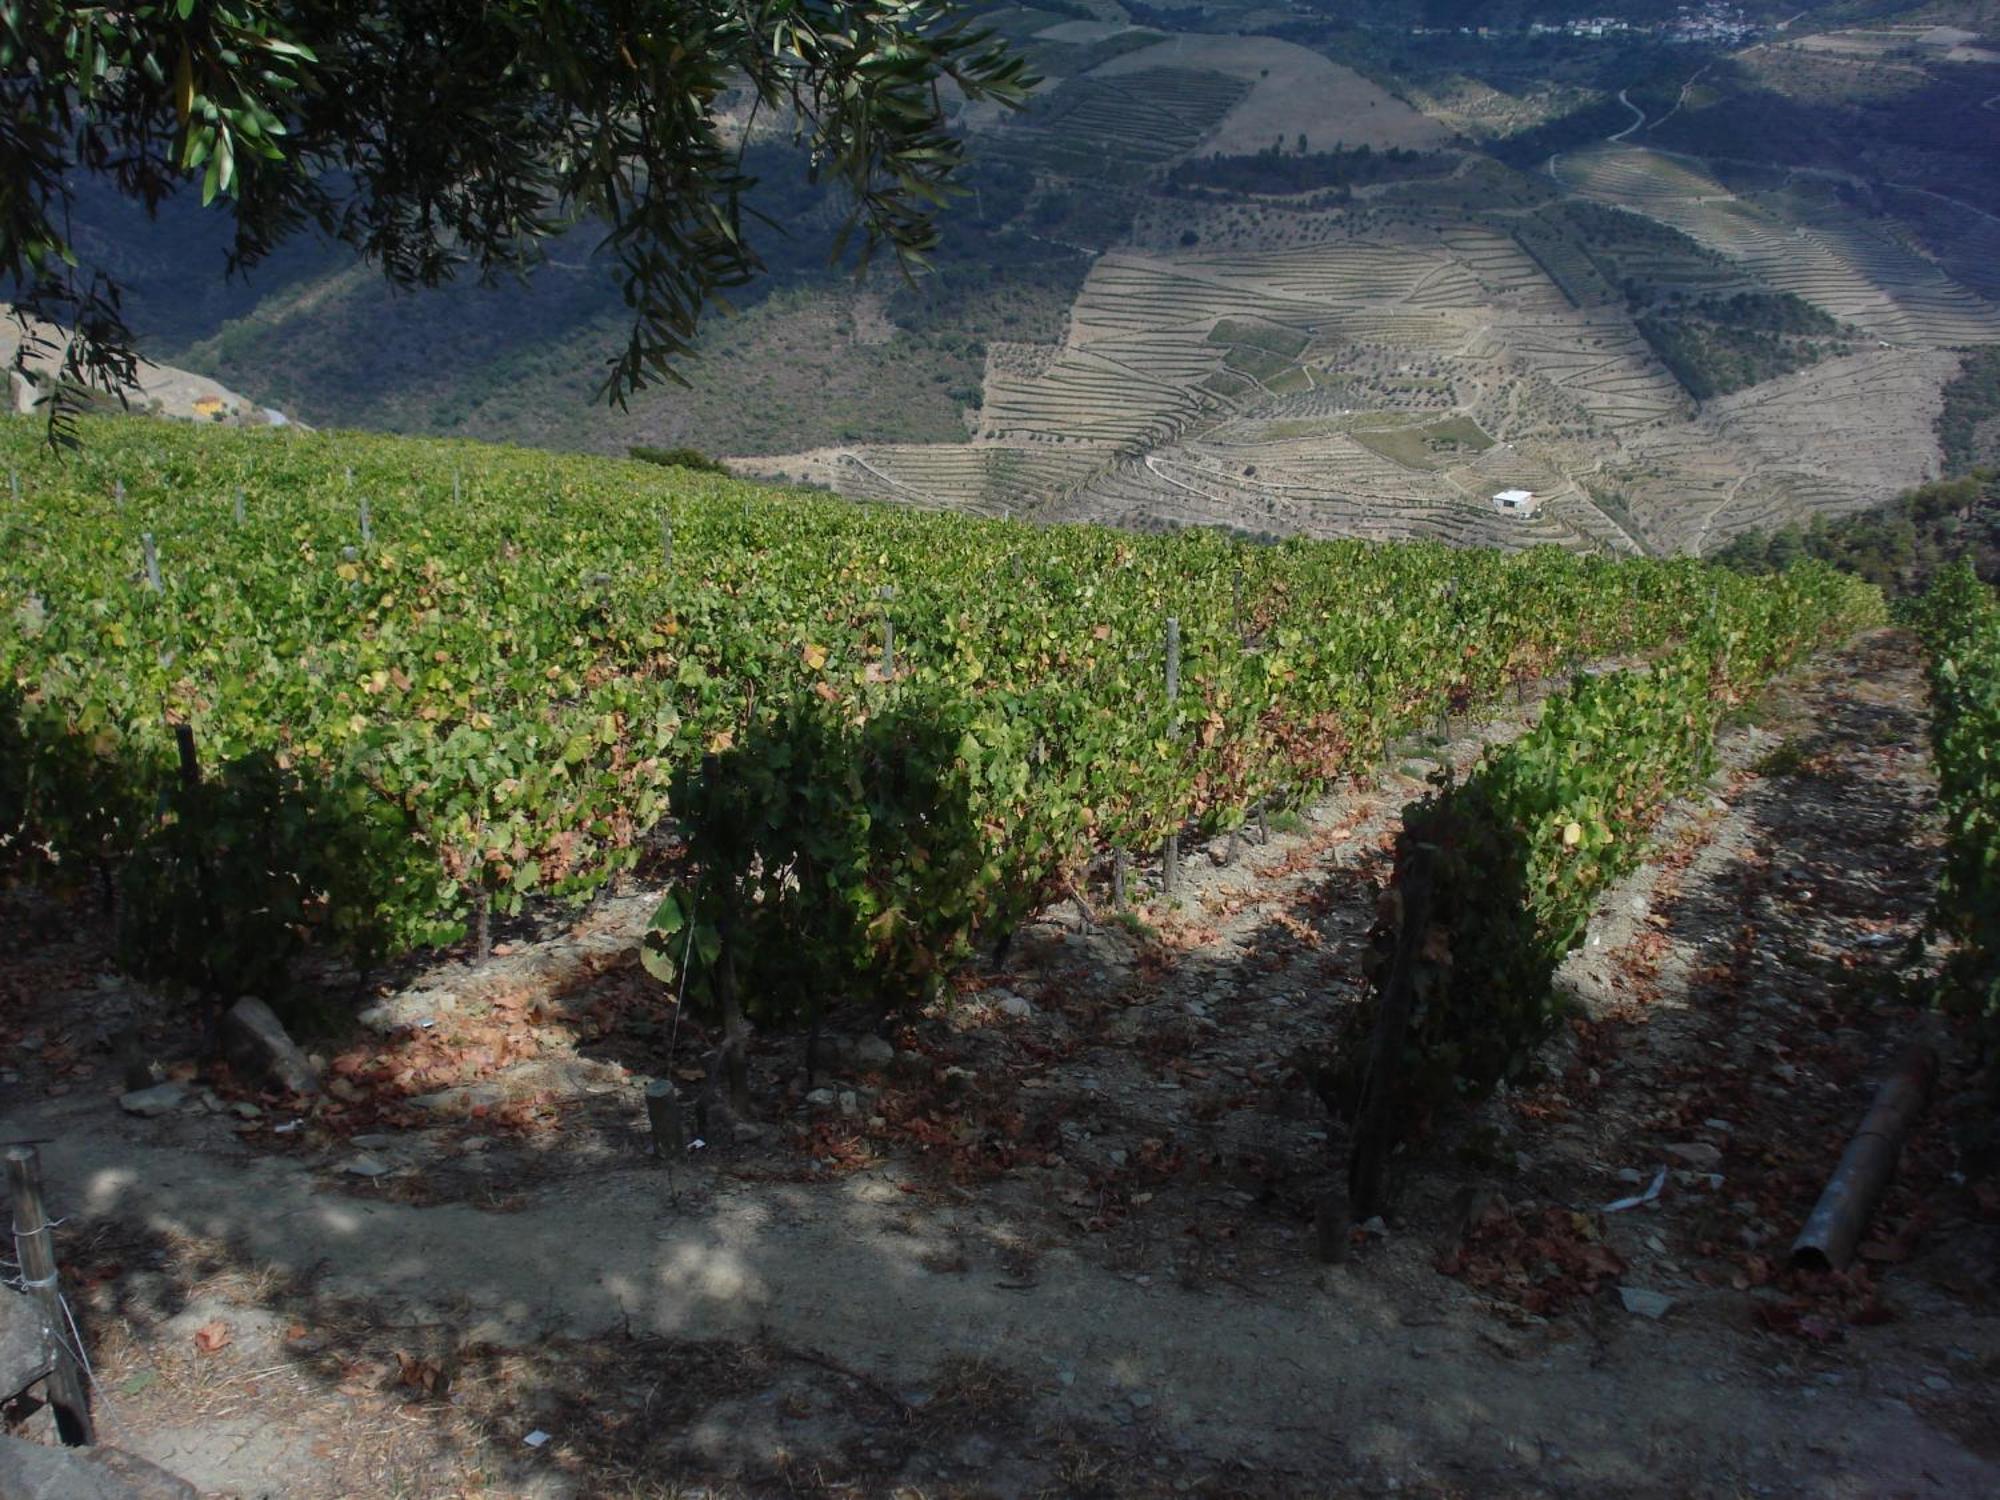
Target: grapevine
x: 500, y: 691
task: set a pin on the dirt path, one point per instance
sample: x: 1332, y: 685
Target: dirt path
x: 1056, y: 1239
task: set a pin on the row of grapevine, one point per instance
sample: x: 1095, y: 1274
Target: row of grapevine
x: 1514, y: 859
x: 429, y: 678
x: 1959, y: 621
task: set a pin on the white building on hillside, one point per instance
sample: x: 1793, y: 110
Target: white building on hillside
x: 1517, y: 502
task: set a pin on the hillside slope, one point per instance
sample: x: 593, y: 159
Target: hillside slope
x: 1681, y: 281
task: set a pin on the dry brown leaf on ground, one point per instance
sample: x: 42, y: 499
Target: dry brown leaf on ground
x: 424, y: 1375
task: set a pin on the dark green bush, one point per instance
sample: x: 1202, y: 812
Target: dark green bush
x: 678, y: 458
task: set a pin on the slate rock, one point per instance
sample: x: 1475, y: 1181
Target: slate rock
x: 1644, y: 1302
x: 33, y: 1471
x: 160, y: 1099
x: 24, y: 1344
x: 460, y: 1100
x: 874, y: 1052
x: 255, y: 1040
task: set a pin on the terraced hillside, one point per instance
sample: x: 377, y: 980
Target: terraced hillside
x: 1674, y: 292
x: 1803, y: 239
x: 1383, y: 365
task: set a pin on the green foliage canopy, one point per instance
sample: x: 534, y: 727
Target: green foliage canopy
x: 440, y: 136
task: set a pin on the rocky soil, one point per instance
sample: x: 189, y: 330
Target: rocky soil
x: 1056, y: 1236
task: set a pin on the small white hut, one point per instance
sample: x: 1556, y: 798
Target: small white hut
x: 1517, y: 502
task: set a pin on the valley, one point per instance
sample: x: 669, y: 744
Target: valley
x: 1298, y: 277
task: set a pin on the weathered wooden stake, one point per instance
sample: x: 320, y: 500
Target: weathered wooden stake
x: 1118, y: 862
x: 483, y: 907
x: 1236, y: 604
x: 663, y: 1110
x: 14, y: 484
x: 1372, y: 1130
x: 888, y: 632
x: 240, y: 510
x: 118, y: 492
x: 67, y: 1395
x: 367, y: 524
x: 667, y: 540
x: 456, y: 493
x: 1332, y: 1223
x: 1170, y: 851
x: 152, y: 562
x: 735, y: 1030
x: 190, y: 763
x: 735, y: 1058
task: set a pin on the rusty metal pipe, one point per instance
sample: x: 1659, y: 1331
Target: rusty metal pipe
x: 1829, y: 1237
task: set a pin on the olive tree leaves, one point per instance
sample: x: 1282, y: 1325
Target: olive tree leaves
x: 460, y: 135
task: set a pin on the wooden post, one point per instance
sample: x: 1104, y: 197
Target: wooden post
x: 456, y: 494
x: 735, y: 1054
x: 1332, y: 1223
x: 367, y: 526
x: 735, y: 1031
x: 667, y: 541
x: 1236, y: 604
x: 239, y: 505
x: 67, y: 1395
x: 663, y: 1111
x: 190, y: 766
x: 1170, y: 851
x: 1373, y: 1135
x: 1118, y: 879
x: 118, y: 493
x: 14, y: 484
x: 888, y: 631
x: 483, y: 907
x: 152, y: 561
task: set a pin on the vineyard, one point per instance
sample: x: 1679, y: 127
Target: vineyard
x: 1960, y: 623
x: 365, y: 690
